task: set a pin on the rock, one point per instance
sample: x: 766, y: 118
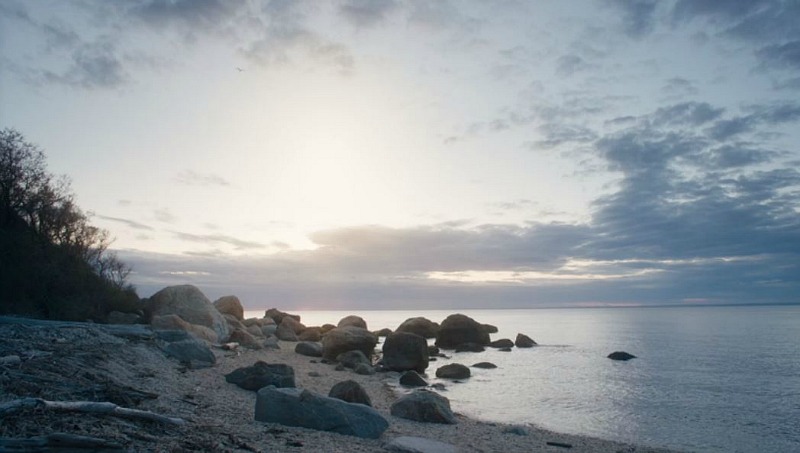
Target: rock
x: 343, y: 339
x: 517, y: 430
x: 409, y: 444
x: 420, y: 326
x: 230, y: 305
x: 285, y: 332
x: 424, y: 406
x: 453, y: 371
x: 485, y: 365
x: 364, y: 369
x: 524, y: 341
x: 325, y: 328
x: 458, y: 329
x: 310, y: 334
x: 469, y: 347
x: 175, y: 322
x: 350, y: 391
x: 245, y: 339
x: 433, y: 351
x: 186, y: 348
x: 260, y: 322
x: 269, y: 329
x: 412, y: 379
x: 405, y: 351
x: 621, y: 355
x: 488, y: 328
x: 191, y: 305
x: 118, y: 317
x: 262, y: 374
x: 352, y: 320
x: 295, y: 407
x: 271, y: 342
x: 308, y: 348
x: 277, y: 315
x: 255, y: 331
x: 385, y: 332
x: 503, y: 343
x: 352, y: 359
x: 293, y: 324
x: 504, y: 349
x: 233, y: 322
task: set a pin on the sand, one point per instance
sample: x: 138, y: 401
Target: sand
x: 82, y: 362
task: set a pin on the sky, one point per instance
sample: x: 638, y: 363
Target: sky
x: 400, y: 154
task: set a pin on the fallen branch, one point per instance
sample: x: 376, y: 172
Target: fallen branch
x: 88, y: 407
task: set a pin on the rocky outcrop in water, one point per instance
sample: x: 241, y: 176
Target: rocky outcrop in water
x: 459, y: 329
x: 453, y: 371
x: 421, y: 326
x: 621, y: 355
x: 524, y: 341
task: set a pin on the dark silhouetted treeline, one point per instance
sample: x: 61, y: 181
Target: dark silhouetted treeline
x: 53, y: 263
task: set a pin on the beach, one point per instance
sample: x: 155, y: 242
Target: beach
x: 76, y: 361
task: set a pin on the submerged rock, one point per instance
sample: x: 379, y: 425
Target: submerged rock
x: 621, y: 355
x: 524, y: 341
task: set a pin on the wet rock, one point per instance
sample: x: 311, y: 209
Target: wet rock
x: 424, y: 406
x: 350, y: 391
x: 621, y: 355
x: 524, y: 341
x: 453, y: 371
x: 485, y: 365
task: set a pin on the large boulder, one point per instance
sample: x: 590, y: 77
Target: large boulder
x: 175, y: 322
x: 453, y: 371
x: 309, y: 349
x: 277, y: 315
x: 424, y: 406
x: 246, y: 339
x: 262, y: 374
x: 352, y: 320
x: 524, y: 341
x: 185, y: 348
x: 285, y: 332
x: 459, y: 329
x: 293, y: 324
x: 412, y: 379
x: 343, y: 339
x: 502, y: 343
x: 352, y: 359
x: 191, y: 305
x: 405, y: 351
x: 230, y: 305
x: 295, y: 407
x: 421, y: 326
x: 350, y: 391
x: 310, y: 334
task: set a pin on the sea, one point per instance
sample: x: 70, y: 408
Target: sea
x: 706, y: 378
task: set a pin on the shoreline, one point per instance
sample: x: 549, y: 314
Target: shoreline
x: 220, y: 415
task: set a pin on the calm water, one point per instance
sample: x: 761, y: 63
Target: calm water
x: 709, y: 379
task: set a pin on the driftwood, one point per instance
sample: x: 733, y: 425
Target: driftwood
x: 559, y: 444
x: 88, y: 407
x: 59, y: 442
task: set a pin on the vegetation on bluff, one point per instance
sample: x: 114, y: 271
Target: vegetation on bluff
x: 53, y: 262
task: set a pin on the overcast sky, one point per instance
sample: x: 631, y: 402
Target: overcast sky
x: 425, y: 154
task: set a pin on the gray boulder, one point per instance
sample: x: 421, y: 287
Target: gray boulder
x: 385, y: 332
x: 175, y: 322
x: 410, y: 444
x: 343, y: 339
x: 502, y: 343
x: 295, y: 407
x: 308, y: 348
x: 485, y: 365
x: 405, y: 351
x: 191, y: 305
x: 421, y: 326
x: 271, y: 342
x: 350, y: 391
x: 245, y: 338
x: 296, y: 326
x: 453, y: 371
x: 277, y: 315
x: 262, y: 374
x: 524, y: 341
x: 352, y: 320
x: 621, y: 355
x: 459, y: 329
x: 412, y: 379
x: 364, y: 369
x: 285, y: 332
x: 269, y: 329
x: 351, y: 359
x: 230, y: 305
x: 185, y: 348
x: 310, y: 334
x: 424, y: 406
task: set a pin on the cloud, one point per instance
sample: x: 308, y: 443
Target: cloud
x: 192, y: 178
x: 679, y: 87
x: 637, y: 16
x: 164, y: 215
x: 191, y: 14
x: 131, y: 223
x: 366, y: 13
x: 210, y: 239
x: 568, y: 65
